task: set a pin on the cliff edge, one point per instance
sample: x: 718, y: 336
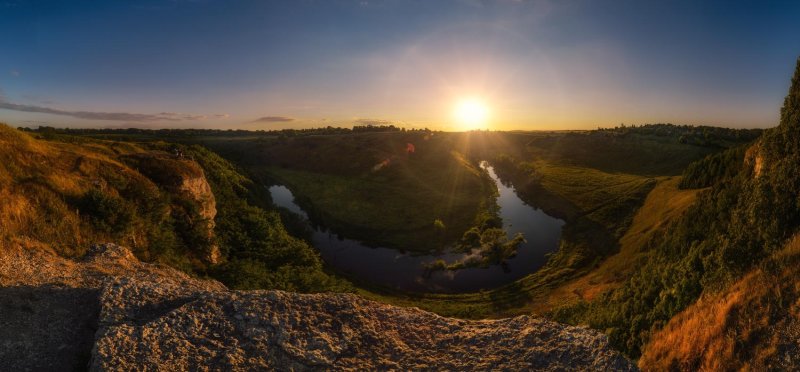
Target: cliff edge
x: 108, y: 311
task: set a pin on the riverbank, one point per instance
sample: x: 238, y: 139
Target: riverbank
x: 397, y: 271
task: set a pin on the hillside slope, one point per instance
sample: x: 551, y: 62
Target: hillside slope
x: 150, y: 317
x: 746, y: 215
x: 72, y: 194
x: 179, y: 205
x: 753, y: 321
x: 663, y: 205
x: 753, y: 325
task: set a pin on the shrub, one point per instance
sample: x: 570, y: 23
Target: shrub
x: 107, y: 212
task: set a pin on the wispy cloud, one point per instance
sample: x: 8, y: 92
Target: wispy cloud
x: 273, y: 119
x: 89, y: 115
x: 14, y: 73
x: 375, y: 122
x: 100, y: 115
x: 36, y: 122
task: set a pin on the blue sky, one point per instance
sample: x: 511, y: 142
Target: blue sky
x: 535, y: 64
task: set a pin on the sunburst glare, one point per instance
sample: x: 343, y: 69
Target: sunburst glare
x: 471, y: 113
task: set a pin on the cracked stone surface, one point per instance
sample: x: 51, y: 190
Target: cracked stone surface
x: 109, y: 311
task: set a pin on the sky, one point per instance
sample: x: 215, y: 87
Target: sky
x: 257, y: 64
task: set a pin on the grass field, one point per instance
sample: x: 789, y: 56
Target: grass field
x: 748, y: 326
x: 371, y: 187
x: 391, y: 211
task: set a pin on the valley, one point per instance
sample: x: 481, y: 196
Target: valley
x: 449, y: 185
x: 597, y: 227
x: 387, y: 212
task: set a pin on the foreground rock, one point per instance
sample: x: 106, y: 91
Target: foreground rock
x: 153, y: 318
x: 49, y: 306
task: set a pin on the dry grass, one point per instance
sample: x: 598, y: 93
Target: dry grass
x: 664, y: 203
x: 752, y: 325
x: 39, y: 178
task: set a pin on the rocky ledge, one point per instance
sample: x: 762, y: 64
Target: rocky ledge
x: 109, y: 311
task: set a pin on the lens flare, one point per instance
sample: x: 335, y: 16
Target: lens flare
x: 471, y: 114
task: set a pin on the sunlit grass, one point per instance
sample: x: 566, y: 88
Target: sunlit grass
x: 664, y: 204
x: 748, y: 326
x: 396, y: 211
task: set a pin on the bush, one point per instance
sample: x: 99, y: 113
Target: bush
x: 107, y: 212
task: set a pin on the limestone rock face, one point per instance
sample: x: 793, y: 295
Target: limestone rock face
x: 49, y: 306
x: 182, y: 176
x: 136, y: 316
x: 232, y: 330
x: 198, y: 189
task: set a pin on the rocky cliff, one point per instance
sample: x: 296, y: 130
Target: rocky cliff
x: 183, y: 177
x: 108, y: 311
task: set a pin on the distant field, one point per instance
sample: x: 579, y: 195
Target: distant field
x: 384, y: 189
x: 396, y: 212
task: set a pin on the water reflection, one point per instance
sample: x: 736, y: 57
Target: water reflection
x: 390, y: 268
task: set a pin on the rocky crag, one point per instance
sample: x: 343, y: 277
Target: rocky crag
x: 108, y: 311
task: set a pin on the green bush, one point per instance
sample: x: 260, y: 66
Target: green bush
x: 106, y: 212
x: 259, y: 252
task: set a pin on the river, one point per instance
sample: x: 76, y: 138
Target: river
x: 390, y: 268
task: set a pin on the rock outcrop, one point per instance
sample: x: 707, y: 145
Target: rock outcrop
x: 49, y: 306
x: 197, y: 188
x: 182, y: 176
x: 112, y: 312
x: 754, y: 160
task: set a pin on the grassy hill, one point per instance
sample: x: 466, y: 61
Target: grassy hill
x: 70, y: 192
x: 753, y: 324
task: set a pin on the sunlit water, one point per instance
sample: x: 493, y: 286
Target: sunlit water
x: 388, y: 267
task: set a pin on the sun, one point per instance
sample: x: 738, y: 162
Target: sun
x: 471, y: 114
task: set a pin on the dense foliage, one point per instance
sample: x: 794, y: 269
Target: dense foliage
x: 110, y: 133
x: 686, y: 134
x: 653, y: 149
x: 713, y: 169
x: 259, y: 252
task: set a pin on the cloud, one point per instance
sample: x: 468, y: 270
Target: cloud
x: 36, y: 122
x: 181, y: 116
x: 194, y: 117
x: 14, y: 73
x: 99, y: 115
x: 89, y: 115
x: 190, y: 117
x: 374, y: 122
x: 273, y: 119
